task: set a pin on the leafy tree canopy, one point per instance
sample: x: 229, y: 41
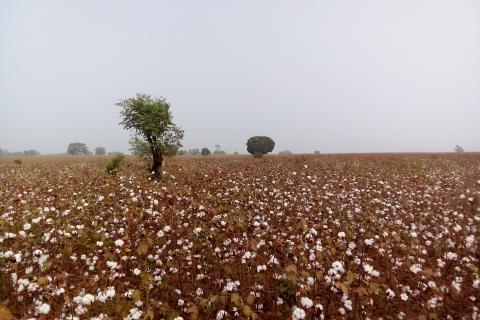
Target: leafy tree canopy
x: 77, y: 148
x: 151, y: 121
x: 100, y: 151
x: 260, y: 145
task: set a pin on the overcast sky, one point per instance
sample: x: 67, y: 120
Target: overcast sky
x: 332, y: 75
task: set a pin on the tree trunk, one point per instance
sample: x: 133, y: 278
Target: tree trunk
x: 157, y: 164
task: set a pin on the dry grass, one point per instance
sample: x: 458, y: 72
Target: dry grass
x: 334, y: 237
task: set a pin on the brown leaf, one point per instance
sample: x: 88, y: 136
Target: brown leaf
x: 5, y: 314
x: 291, y: 268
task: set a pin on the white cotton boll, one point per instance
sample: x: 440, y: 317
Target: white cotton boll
x: 368, y: 242
x: 369, y: 269
x: 456, y: 285
x: 261, y: 268
x: 110, y: 292
x: 348, y: 304
x: 476, y: 283
x: 404, y: 296
x: 451, y: 256
x: 221, y: 314
x: 298, y: 313
x: 43, y: 308
x: 136, y: 271
x: 432, y: 303
x: 273, y: 260
x: 88, y: 299
x: 469, y: 240
x: 306, y: 302
x: 341, y: 234
x: 415, y: 268
x: 390, y: 293
x: 27, y: 226
x: 119, y: 243
x: 134, y: 314
x: 18, y: 257
x: 7, y: 254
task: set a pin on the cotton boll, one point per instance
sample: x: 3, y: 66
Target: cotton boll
x: 306, y: 302
x: 298, y: 313
x: 44, y: 308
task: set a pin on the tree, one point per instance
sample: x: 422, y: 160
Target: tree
x: 218, y: 150
x: 150, y: 119
x: 100, y: 151
x: 260, y: 145
x: 459, y: 149
x: 77, y: 148
x: 182, y: 152
x: 194, y: 152
x: 31, y: 153
x: 205, y: 152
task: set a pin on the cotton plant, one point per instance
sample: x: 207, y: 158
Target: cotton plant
x: 233, y: 242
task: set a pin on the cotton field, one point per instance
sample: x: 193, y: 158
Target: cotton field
x: 299, y: 237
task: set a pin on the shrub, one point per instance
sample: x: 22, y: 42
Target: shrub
x: 17, y: 161
x: 114, y: 164
x: 459, y: 149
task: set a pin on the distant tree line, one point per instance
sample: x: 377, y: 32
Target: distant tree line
x: 79, y: 148
x: 31, y: 152
x: 203, y: 151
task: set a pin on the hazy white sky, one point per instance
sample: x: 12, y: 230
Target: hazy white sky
x: 334, y: 76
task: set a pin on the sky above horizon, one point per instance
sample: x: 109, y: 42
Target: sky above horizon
x: 332, y: 75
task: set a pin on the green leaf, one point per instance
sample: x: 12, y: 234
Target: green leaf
x: 247, y: 312
x: 236, y: 299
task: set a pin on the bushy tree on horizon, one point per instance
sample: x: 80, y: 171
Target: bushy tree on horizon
x: 459, y: 149
x: 77, y: 148
x: 205, y: 152
x: 181, y: 152
x: 194, y: 152
x: 100, y: 151
x: 260, y: 145
x: 218, y: 150
x: 31, y: 152
x: 150, y: 119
